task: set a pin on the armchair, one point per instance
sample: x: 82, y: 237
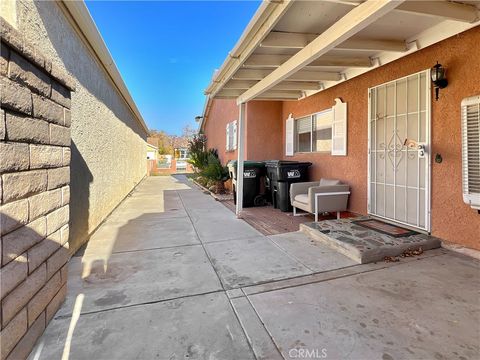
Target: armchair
x: 326, y: 195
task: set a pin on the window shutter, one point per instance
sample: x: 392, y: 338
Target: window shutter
x: 289, y: 136
x: 339, y: 128
x: 234, y: 140
x: 470, y: 110
x: 228, y: 137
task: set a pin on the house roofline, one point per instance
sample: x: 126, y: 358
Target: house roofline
x: 206, y: 110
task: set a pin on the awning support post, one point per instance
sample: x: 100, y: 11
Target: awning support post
x: 241, y: 157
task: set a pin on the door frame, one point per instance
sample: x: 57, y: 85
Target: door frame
x: 428, y: 157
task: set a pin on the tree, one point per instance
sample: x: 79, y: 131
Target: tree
x: 165, y: 143
x: 189, y: 131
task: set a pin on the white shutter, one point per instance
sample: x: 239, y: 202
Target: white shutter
x: 228, y: 137
x: 234, y: 140
x: 339, y: 128
x: 471, y: 151
x: 289, y: 136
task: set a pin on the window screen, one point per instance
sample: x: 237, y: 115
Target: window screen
x: 322, y: 134
x: 303, y: 132
x: 314, y: 133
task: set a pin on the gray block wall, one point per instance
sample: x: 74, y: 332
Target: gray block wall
x: 108, y: 139
x: 35, y: 154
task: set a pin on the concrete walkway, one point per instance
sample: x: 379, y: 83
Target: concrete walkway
x: 172, y: 274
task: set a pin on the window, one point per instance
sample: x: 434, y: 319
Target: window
x: 231, y: 136
x: 314, y: 132
x: 303, y: 134
x: 182, y: 153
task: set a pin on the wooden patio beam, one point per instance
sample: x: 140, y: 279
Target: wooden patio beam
x: 275, y: 61
x: 285, y: 40
x: 446, y: 9
x: 354, y: 21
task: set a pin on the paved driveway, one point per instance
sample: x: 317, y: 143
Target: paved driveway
x: 172, y: 274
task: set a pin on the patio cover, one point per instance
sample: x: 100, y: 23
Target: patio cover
x: 294, y: 49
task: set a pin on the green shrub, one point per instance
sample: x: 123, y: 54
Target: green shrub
x: 199, y: 155
x: 197, y: 150
x: 215, y: 173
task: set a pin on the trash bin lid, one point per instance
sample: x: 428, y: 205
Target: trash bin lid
x: 275, y: 163
x: 247, y: 163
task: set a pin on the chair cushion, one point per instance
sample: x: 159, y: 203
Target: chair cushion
x: 303, y: 198
x: 329, y: 182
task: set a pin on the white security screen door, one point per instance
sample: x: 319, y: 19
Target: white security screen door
x: 399, y: 151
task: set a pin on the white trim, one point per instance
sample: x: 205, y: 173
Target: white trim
x: 428, y: 135
x: 240, y: 158
x: 369, y: 153
x: 234, y: 135
x: 290, y: 136
x: 263, y: 21
x: 340, y: 108
x: 227, y: 137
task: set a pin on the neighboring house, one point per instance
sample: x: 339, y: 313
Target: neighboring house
x: 152, y: 152
x: 72, y: 146
x: 152, y: 158
x: 171, y: 163
x: 347, y: 86
x: 180, y: 146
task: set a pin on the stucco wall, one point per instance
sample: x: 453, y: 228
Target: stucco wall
x: 262, y: 126
x: 108, y: 144
x: 221, y: 113
x: 452, y: 220
x: 262, y: 123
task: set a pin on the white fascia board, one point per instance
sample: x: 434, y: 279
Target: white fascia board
x: 206, y: 108
x: 264, y: 20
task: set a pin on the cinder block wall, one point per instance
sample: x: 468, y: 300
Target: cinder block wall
x: 34, y: 191
x: 108, y: 139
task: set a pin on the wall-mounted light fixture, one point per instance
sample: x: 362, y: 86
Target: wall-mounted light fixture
x: 198, y: 118
x: 438, y: 78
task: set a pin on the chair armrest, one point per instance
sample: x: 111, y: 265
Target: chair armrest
x: 301, y: 188
x: 333, y: 189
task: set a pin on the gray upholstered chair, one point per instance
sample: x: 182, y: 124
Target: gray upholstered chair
x: 326, y: 195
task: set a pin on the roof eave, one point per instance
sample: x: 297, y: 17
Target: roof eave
x: 264, y: 19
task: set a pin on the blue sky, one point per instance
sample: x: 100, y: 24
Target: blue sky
x: 167, y: 51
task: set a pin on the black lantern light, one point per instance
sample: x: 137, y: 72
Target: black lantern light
x: 438, y: 78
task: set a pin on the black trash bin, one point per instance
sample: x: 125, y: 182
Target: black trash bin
x: 280, y: 174
x: 253, y: 172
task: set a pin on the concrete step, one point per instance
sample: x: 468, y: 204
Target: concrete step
x: 364, y: 245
